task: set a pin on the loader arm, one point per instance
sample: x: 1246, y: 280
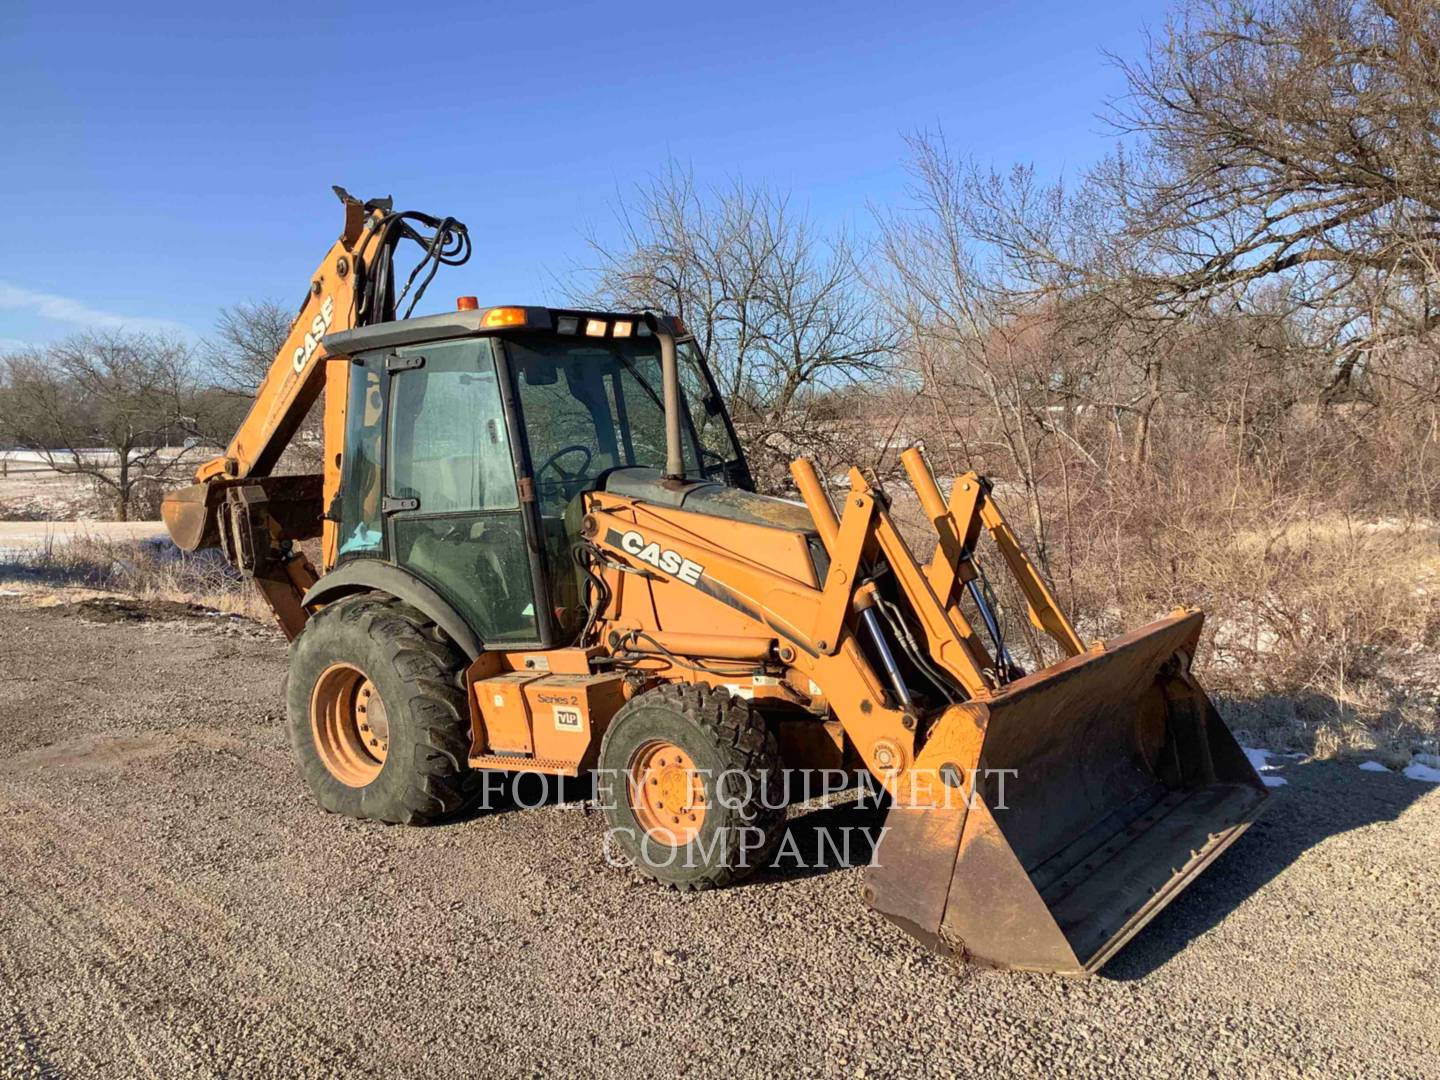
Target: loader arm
x: 825, y: 623
x: 1038, y: 820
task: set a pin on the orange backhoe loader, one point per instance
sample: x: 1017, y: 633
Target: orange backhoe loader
x: 541, y: 551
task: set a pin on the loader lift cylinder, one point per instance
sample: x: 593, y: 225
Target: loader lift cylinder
x: 812, y: 491
x: 887, y: 658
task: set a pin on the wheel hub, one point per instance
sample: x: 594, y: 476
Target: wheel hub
x: 667, y: 793
x: 350, y: 725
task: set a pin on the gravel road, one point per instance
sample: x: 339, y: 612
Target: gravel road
x: 172, y: 905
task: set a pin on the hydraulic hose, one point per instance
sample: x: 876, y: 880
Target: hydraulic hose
x: 1002, y: 658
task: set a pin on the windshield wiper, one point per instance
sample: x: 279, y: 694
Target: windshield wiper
x: 640, y: 379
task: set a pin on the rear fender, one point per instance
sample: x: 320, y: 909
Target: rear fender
x: 370, y: 575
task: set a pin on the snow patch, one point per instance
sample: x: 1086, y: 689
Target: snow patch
x: 1418, y: 770
x: 1260, y: 762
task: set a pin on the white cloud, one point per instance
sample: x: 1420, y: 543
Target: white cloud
x: 65, y: 309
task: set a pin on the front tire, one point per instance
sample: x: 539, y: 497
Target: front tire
x: 377, y: 713
x: 691, y: 783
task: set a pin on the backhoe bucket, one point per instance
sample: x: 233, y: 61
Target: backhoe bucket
x: 189, y: 516
x: 1103, y: 785
x: 193, y: 514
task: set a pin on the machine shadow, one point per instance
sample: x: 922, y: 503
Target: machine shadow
x: 505, y: 793
x: 823, y: 840
x: 1317, y: 801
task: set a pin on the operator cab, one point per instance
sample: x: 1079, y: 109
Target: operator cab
x: 470, y: 435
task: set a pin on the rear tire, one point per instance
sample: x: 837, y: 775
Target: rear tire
x: 377, y: 713
x: 691, y: 783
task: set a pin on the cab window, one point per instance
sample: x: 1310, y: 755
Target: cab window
x: 361, y: 525
x: 590, y: 408
x: 455, y: 512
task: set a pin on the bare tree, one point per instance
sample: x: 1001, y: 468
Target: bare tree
x: 1291, y: 144
x: 782, y: 313
x: 1275, y: 210
x: 247, y: 338
x: 105, y: 406
x: 996, y: 346
x: 246, y: 341
x: 1218, y: 343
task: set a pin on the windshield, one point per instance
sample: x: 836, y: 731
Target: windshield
x: 593, y: 406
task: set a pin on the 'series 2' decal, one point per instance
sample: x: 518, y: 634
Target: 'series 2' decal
x: 672, y: 562
x: 318, y: 326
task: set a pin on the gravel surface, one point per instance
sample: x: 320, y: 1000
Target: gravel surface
x: 172, y: 904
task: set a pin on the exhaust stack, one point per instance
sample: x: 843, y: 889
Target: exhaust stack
x: 670, y: 387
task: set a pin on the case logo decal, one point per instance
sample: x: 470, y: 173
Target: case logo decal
x: 318, y: 325
x: 671, y: 562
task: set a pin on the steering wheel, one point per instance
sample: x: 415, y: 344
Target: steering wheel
x: 567, y: 476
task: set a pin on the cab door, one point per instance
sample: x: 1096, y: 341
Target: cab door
x: 452, y: 507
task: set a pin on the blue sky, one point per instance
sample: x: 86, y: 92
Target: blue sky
x: 160, y: 161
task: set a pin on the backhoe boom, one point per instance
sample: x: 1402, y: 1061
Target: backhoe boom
x: 297, y: 374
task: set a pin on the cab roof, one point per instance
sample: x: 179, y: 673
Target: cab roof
x: 480, y: 322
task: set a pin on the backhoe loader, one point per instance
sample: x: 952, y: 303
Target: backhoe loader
x: 540, y: 550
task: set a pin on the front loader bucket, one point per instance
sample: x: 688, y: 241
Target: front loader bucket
x: 1103, y: 786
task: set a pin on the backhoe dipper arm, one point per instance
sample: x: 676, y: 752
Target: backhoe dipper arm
x: 297, y: 374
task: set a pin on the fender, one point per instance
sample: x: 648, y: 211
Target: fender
x: 364, y: 575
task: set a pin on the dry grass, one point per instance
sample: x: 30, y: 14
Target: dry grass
x: 147, y: 570
x: 1322, y: 629
x: 1322, y: 617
